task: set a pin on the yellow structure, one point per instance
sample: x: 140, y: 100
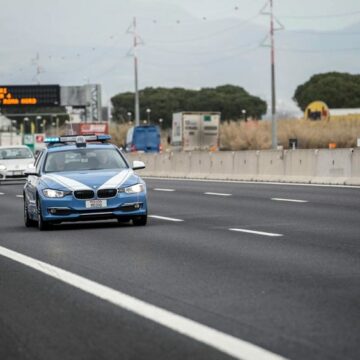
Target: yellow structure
x: 317, y: 110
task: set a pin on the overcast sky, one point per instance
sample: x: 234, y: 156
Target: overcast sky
x: 189, y: 43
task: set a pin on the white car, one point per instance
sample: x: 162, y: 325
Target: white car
x: 14, y: 160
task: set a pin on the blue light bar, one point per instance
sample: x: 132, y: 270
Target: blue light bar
x: 50, y: 140
x: 103, y: 137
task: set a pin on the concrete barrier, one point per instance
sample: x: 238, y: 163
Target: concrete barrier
x: 332, y: 166
x: 181, y: 164
x: 355, y: 168
x: 221, y: 165
x: 271, y: 165
x: 324, y: 166
x: 245, y: 165
x: 300, y: 165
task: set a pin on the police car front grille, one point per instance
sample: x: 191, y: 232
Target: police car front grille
x: 84, y: 194
x: 106, y: 193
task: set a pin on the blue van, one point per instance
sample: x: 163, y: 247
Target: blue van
x: 145, y: 138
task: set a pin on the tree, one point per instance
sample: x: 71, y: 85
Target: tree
x: 230, y: 100
x: 337, y: 90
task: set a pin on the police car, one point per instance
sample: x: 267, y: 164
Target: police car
x: 77, y: 178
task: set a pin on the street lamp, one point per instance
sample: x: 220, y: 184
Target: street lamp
x: 148, y: 111
x: 160, y: 122
x: 243, y: 111
x: 26, y: 121
x: 129, y: 116
x: 37, y: 124
x: 13, y: 123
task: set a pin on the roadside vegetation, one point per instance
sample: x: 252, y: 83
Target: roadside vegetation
x: 256, y: 135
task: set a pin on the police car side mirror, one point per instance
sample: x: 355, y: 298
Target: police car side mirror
x: 137, y: 165
x: 31, y: 170
x: 31, y: 173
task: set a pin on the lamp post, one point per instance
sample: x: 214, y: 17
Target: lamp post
x: 26, y: 121
x: 148, y: 111
x: 13, y: 122
x: 129, y: 116
x: 243, y: 111
x: 160, y: 122
x: 37, y: 127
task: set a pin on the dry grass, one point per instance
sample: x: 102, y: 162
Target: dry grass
x: 256, y: 135
x: 118, y: 133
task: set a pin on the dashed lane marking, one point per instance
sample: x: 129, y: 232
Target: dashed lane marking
x: 255, y: 232
x: 2, y: 193
x: 217, y: 194
x: 165, y: 190
x: 216, y: 339
x: 19, y: 196
x: 165, y: 218
x: 290, y: 200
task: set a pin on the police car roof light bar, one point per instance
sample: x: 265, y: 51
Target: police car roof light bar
x: 77, y: 139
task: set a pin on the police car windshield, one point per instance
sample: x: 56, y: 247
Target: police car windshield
x: 84, y: 159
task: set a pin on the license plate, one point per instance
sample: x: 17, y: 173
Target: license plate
x: 95, y: 204
x: 17, y: 172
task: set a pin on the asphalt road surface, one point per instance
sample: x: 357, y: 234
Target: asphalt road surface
x: 277, y: 266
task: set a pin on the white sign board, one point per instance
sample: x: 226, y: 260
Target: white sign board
x: 358, y: 142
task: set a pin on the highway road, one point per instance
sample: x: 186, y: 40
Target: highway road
x: 276, y: 266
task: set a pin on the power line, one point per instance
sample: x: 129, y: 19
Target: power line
x: 309, y: 17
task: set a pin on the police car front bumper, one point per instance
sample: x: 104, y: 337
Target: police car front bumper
x: 70, y: 209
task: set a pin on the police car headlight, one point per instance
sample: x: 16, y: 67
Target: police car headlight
x: 51, y: 193
x: 134, y: 189
x: 2, y: 167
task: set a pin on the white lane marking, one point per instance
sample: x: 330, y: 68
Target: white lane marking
x: 2, y: 193
x: 19, y: 196
x: 216, y: 339
x: 255, y: 232
x: 290, y: 200
x: 166, y: 190
x: 216, y: 194
x: 258, y: 182
x: 165, y: 218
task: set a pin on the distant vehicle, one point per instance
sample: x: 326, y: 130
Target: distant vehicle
x: 14, y: 160
x: 143, y: 138
x: 196, y: 131
x: 81, y: 178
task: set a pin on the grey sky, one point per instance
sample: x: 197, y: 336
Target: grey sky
x: 187, y: 43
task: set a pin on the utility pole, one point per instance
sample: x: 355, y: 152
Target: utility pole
x: 273, y: 94
x: 137, y: 103
x: 39, y: 68
x: 273, y: 19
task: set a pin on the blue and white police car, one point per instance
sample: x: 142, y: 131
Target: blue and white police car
x: 77, y: 178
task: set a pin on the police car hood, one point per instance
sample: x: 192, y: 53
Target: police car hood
x: 92, y: 179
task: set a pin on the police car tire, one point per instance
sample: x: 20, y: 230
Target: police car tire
x: 42, y: 225
x: 28, y: 222
x: 140, y: 220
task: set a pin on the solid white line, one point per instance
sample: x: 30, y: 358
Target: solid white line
x: 167, y: 190
x: 256, y: 232
x: 218, y: 340
x: 216, y: 194
x: 262, y: 182
x: 165, y: 218
x: 290, y: 200
x: 19, y: 196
